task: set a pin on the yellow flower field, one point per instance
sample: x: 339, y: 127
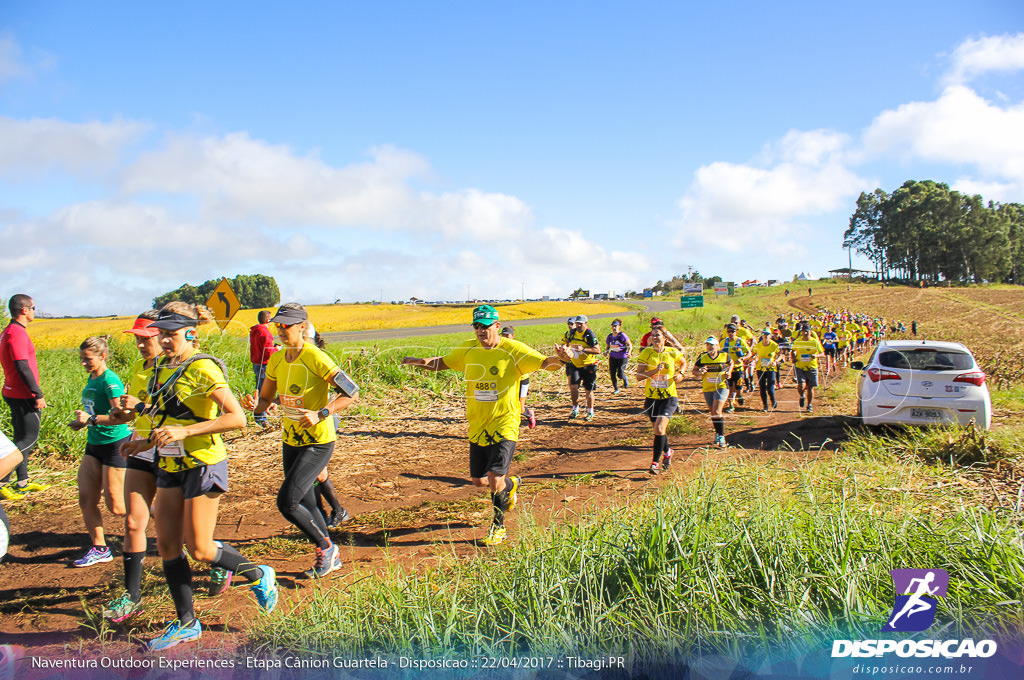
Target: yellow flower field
x: 54, y: 333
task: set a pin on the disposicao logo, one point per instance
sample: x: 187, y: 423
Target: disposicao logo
x: 916, y: 593
x: 913, y: 611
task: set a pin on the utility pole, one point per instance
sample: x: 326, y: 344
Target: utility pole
x: 522, y: 292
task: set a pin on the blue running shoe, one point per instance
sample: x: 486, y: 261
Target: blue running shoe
x: 265, y: 589
x: 326, y: 561
x: 175, y: 634
x: 94, y: 555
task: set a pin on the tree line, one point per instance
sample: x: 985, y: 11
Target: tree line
x: 923, y: 231
x: 254, y: 291
x: 677, y: 281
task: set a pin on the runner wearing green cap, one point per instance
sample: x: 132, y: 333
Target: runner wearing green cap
x: 492, y: 367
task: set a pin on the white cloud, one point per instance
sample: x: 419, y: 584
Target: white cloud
x: 83, y: 257
x: 14, y: 65
x: 975, y: 57
x: 1001, y: 192
x: 959, y: 127
x: 28, y: 147
x: 237, y: 177
x: 746, y: 206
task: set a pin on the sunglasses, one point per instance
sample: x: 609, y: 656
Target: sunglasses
x: 481, y: 326
x: 284, y: 326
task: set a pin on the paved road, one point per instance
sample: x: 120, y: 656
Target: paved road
x: 393, y: 333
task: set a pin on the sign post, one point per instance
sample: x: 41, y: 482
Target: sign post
x: 223, y: 303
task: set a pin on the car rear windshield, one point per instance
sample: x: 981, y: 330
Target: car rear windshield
x: 926, y: 359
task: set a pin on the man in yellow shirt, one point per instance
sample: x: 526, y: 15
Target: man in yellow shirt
x: 492, y: 367
x: 584, y: 350
x: 806, y: 350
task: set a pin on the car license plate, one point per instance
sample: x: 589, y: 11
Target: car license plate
x: 928, y: 413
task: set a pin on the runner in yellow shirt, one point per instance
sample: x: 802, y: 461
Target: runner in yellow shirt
x: 713, y: 367
x: 300, y: 380
x: 492, y: 367
x: 660, y: 365
x: 739, y: 351
x: 190, y: 405
x: 766, y: 363
x: 806, y: 351
x: 583, y: 345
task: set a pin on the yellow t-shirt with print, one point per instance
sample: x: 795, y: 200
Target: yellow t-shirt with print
x: 303, y: 383
x: 138, y: 385
x: 184, y: 403
x: 662, y: 385
x: 492, y: 386
x: 737, y: 348
x: 767, y: 356
x: 746, y: 334
x: 715, y: 378
x: 577, y: 342
x: 806, y: 353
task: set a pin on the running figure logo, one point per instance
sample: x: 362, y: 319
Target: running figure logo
x: 916, y: 592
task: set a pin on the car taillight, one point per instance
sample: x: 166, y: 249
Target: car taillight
x: 877, y: 374
x: 974, y: 377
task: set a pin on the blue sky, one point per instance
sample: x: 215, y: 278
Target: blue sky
x: 359, y: 150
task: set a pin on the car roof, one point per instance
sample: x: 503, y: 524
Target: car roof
x: 934, y: 344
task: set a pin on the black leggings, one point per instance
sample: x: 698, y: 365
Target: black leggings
x: 766, y: 381
x: 617, y: 367
x: 25, y: 419
x: 296, y: 499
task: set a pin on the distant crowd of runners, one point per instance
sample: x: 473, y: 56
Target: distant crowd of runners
x: 154, y: 448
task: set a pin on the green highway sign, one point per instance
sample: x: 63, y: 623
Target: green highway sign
x: 690, y: 301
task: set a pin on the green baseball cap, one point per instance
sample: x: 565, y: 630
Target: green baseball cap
x: 485, y: 314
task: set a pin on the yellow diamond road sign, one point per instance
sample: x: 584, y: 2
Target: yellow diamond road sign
x: 223, y: 303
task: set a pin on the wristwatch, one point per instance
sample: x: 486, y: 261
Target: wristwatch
x: 324, y: 413
x: 92, y: 420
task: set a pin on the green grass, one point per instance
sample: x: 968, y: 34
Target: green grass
x: 744, y: 560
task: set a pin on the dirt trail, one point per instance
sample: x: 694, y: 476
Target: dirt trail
x: 404, y: 479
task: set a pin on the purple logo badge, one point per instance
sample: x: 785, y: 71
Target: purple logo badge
x: 916, y: 593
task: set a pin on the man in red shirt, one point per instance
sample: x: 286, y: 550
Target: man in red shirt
x: 261, y: 346
x: 21, y: 391
x: 646, y: 340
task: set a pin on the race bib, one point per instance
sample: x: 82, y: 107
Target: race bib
x: 766, y: 362
x: 172, y: 450
x: 806, y: 358
x: 615, y: 347
x: 146, y: 455
x: 89, y: 406
x: 290, y: 406
x: 485, y: 391
x: 713, y: 379
x: 660, y: 381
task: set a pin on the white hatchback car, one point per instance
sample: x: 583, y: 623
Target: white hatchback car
x: 922, y: 382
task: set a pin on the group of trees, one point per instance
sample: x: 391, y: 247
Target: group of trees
x: 677, y: 281
x: 924, y: 231
x: 254, y: 291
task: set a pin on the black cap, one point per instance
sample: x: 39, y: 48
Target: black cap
x: 167, y: 320
x: 289, y: 316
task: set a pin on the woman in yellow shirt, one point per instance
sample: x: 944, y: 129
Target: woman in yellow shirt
x: 300, y: 379
x: 189, y: 404
x: 659, y: 365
